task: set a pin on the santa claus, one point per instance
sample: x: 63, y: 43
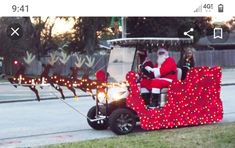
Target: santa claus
x: 165, y: 71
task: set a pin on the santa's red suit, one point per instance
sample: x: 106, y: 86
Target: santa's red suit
x: 164, y: 73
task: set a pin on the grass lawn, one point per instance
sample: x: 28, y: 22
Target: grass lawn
x: 207, y: 136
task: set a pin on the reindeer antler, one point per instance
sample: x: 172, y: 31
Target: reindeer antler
x: 79, y: 62
x: 29, y: 57
x: 64, y: 57
x: 90, y: 62
x: 52, y: 59
x: 64, y: 45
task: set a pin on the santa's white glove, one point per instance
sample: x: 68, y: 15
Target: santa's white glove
x: 149, y: 69
x: 156, y: 71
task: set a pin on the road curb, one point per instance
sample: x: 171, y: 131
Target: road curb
x: 43, y: 99
x: 227, y: 84
x: 4, y: 83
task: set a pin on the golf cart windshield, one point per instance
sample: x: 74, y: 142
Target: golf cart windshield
x: 120, y: 62
x: 123, y: 56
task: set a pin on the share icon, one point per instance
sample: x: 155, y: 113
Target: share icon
x: 186, y: 33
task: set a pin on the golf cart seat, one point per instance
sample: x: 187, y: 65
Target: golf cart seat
x: 163, y: 92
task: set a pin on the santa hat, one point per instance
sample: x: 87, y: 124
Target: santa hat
x: 162, y: 51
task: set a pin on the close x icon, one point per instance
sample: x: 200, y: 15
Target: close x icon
x: 14, y: 31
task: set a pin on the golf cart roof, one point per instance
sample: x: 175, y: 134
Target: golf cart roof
x: 120, y: 63
x: 153, y: 41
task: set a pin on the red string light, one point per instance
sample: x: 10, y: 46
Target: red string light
x: 194, y: 101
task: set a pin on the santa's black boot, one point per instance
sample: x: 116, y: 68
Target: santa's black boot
x: 155, y: 101
x: 146, y: 97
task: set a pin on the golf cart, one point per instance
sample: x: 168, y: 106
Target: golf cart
x: 120, y: 106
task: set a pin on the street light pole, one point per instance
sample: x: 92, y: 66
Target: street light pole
x: 123, y: 27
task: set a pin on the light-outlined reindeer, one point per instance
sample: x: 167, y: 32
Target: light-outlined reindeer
x: 71, y: 79
x: 85, y: 83
x: 73, y: 76
x: 56, y: 80
x: 20, y: 79
x: 44, y: 77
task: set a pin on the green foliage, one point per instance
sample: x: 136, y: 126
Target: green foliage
x: 216, y: 136
x: 85, y: 36
x: 162, y: 26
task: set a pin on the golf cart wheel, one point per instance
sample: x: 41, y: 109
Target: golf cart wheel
x: 122, y: 121
x: 99, y: 124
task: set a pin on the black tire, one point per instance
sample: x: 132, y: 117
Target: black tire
x: 97, y: 125
x: 122, y: 121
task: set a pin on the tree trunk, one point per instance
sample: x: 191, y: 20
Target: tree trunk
x: 90, y: 28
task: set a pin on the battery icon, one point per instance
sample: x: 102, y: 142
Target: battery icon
x: 220, y: 8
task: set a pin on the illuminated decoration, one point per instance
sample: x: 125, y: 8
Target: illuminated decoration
x: 132, y: 42
x: 116, y: 24
x: 71, y: 82
x: 16, y: 62
x: 20, y: 79
x: 85, y: 83
x: 193, y: 101
x: 56, y: 81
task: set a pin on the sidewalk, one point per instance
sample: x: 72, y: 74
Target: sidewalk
x: 228, y: 76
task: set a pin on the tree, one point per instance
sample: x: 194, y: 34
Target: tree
x: 43, y: 39
x: 231, y: 23
x: 163, y: 26
x: 8, y: 45
x: 12, y: 49
x: 37, y: 37
x: 85, y: 33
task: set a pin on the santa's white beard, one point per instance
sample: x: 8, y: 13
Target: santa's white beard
x: 161, y: 59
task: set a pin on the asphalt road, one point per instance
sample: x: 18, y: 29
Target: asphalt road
x: 40, y: 123
x: 25, y: 122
